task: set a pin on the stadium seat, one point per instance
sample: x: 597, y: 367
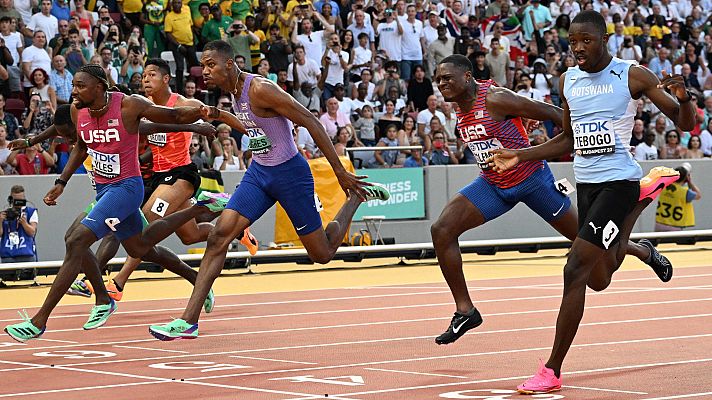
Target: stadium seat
x: 168, y: 56
x: 15, y: 107
x: 197, y: 74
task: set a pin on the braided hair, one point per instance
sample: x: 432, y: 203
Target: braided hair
x: 97, y: 72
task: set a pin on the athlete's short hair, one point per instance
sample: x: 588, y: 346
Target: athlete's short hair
x: 593, y: 18
x: 459, y: 61
x: 221, y: 47
x: 63, y: 115
x: 159, y: 63
x: 97, y: 72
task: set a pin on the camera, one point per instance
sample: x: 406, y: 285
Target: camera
x: 13, y: 212
x: 388, y: 12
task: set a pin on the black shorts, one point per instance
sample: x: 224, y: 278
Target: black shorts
x: 188, y: 172
x: 602, y: 208
x: 147, y: 189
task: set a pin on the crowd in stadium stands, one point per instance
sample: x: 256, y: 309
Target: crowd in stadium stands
x: 363, y: 67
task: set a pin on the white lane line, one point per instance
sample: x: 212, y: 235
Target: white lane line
x: 20, y: 369
x: 681, y: 396
x: 152, y: 349
x: 450, y: 356
x: 299, y: 301
x: 209, y: 320
x: 398, y: 339
x: 118, y: 385
x: 604, y: 390
x: 417, y: 373
x: 511, y: 378
x: 58, y: 341
x: 154, y: 379
x: 275, y: 360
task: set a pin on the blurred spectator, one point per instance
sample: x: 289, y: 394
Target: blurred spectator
x: 34, y: 160
x: 312, y: 41
x: 76, y: 53
x: 630, y: 50
x: 227, y: 161
x: 216, y: 27
x: 9, y: 121
x: 111, y: 72
x: 361, y: 56
x: 647, y: 150
x: 60, y: 79
x: 426, y: 115
x: 535, y: 17
x: 419, y: 89
x: 390, y: 33
x: 389, y: 117
x: 411, y: 46
x: 524, y: 88
x: 34, y: 57
x: 276, y: 50
x: 5, y: 168
x: 14, y: 43
x: 439, y: 153
x: 638, y: 134
x: 263, y: 69
x: 694, y: 148
x: 37, y: 117
x: 85, y: 18
x: 18, y: 226
x: 41, y: 86
x: 689, y: 77
x: 152, y: 17
x: 415, y: 159
x: 346, y: 105
x: 306, y: 70
x: 672, y: 149
x: 134, y: 65
x: 342, y: 140
x: 60, y: 9
x: 361, y: 99
x: 241, y: 39
x: 333, y: 119
x: 334, y: 61
x: 385, y: 158
x: 44, y: 21
x: 308, y: 96
x: 661, y: 63
x: 497, y: 61
x: 224, y: 132
x: 480, y: 70
x: 179, y: 35
x: 675, y: 210
x: 365, y: 127
x: 441, y: 47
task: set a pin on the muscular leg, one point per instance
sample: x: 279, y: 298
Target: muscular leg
x: 77, y: 248
x: 458, y: 216
x: 228, y: 226
x: 321, y: 245
x: 89, y: 265
x: 107, y: 250
x: 159, y: 255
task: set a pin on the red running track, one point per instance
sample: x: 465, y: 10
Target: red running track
x: 640, y: 339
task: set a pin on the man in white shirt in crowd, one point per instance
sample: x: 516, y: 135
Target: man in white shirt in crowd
x: 430, y: 31
x: 43, y: 21
x: 346, y: 105
x: 389, y: 34
x: 411, y: 46
x: 307, y: 69
x: 497, y: 30
x: 615, y: 41
x: 334, y: 62
x: 363, y: 54
x: 646, y: 150
x: 360, y: 26
x: 14, y: 43
x: 35, y: 56
x: 525, y: 88
x: 312, y: 41
x: 498, y: 61
x: 426, y: 115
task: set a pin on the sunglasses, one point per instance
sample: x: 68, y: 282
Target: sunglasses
x: 226, y: 104
x: 195, y: 145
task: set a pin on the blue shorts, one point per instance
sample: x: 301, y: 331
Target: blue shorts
x: 290, y: 183
x: 117, y: 209
x: 538, y: 192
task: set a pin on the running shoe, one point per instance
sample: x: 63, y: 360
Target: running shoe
x: 25, y: 330
x: 658, y: 262
x: 249, y: 241
x: 114, y: 291
x: 460, y: 324
x: 377, y: 192
x: 79, y: 288
x: 99, y: 315
x: 176, y: 329
x: 545, y: 381
x: 209, y: 303
x: 657, y: 179
x: 215, y: 202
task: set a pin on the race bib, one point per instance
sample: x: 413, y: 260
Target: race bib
x: 259, y: 142
x: 105, y: 165
x: 594, y: 137
x: 157, y: 139
x: 481, y: 150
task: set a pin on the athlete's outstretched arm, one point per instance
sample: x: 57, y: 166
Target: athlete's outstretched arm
x: 19, y: 144
x: 561, y: 144
x: 227, y: 117
x: 149, y: 128
x: 676, y: 105
x: 272, y: 97
x: 140, y: 107
x: 503, y: 103
x: 76, y: 158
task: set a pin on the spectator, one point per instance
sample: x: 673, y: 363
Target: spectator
x: 60, y: 9
x: 44, y: 21
x: 34, y: 160
x: 450, y: 125
x: 696, y: 63
x: 455, y: 18
x: 360, y: 26
x: 61, y: 80
x: 179, y: 34
x: 34, y: 57
x: 252, y: 28
x: 661, y: 63
x: 419, y: 89
x: 225, y: 132
x: 342, y: 141
x: 389, y: 117
x: 19, y: 226
x: 14, y: 43
x: 365, y: 127
x: 9, y: 121
x: 524, y: 88
x: 152, y: 17
x: 442, y: 47
x: 106, y: 62
x: 647, y: 150
x: 630, y: 50
x: 694, y: 148
x: 391, y: 80
x: 361, y: 99
x: 361, y: 56
x: 227, y: 161
x: 672, y: 149
x: 5, y: 168
x: 312, y: 41
x: 86, y: 18
x: 308, y: 96
x: 426, y: 115
x: 385, y: 158
x: 276, y: 50
x: 497, y: 61
x: 638, y: 135
x: 389, y: 36
x: 411, y: 43
x: 440, y: 154
x: 216, y: 28
x: 497, y: 31
x: 263, y: 70
x: 480, y: 70
x: 76, y: 53
x: 690, y: 77
x: 241, y: 39
x: 415, y: 159
x: 303, y: 70
x: 535, y: 19
x: 675, y: 210
x: 615, y: 41
x: 134, y: 65
x: 335, y: 64
x: 40, y: 79
x: 37, y: 117
x: 333, y: 118
x: 189, y: 89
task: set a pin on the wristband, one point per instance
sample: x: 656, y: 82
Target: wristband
x: 27, y: 142
x: 689, y: 98
x: 60, y: 181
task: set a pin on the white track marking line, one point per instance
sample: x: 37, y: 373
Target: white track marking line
x: 604, y: 390
x: 20, y: 369
x: 483, y: 288
x: 680, y: 396
x: 275, y: 360
x: 419, y: 373
x: 430, y: 358
x: 78, y: 389
x: 156, y: 379
x: 59, y: 341
x: 510, y: 378
x: 557, y: 296
x: 152, y: 349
